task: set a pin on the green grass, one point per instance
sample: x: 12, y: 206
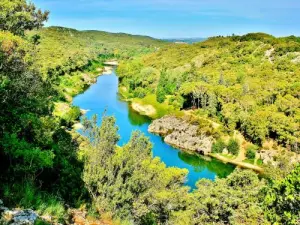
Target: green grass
x: 27, y: 195
x: 251, y: 161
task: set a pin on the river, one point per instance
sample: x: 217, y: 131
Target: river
x: 103, y: 95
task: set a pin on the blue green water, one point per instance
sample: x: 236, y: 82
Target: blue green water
x: 103, y: 95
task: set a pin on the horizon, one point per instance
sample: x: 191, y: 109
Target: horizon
x: 168, y: 38
x: 174, y: 19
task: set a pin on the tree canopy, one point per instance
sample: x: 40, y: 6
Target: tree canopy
x: 18, y: 16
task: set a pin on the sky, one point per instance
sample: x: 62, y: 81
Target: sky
x: 176, y: 18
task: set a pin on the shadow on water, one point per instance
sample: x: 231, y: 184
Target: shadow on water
x: 201, y: 163
x: 103, y: 95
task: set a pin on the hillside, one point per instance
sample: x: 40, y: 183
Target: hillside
x: 61, y: 48
x: 249, y: 83
x: 70, y: 58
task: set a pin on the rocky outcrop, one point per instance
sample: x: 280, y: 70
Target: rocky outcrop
x: 181, y: 134
x: 30, y: 217
x: 267, y: 156
x: 17, y: 216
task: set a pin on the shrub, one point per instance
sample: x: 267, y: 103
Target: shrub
x: 139, y: 92
x: 250, y: 154
x: 218, y: 146
x: 72, y: 115
x: 251, y: 151
x: 233, y: 147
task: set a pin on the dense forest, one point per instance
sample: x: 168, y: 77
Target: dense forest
x: 248, y: 83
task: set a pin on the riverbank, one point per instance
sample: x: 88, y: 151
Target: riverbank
x: 190, y: 142
x: 185, y: 136
x: 80, y: 81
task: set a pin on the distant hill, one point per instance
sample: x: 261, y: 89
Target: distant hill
x: 185, y: 40
x: 66, y: 47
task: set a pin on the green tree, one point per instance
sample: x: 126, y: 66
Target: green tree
x: 282, y: 201
x: 218, y: 146
x: 97, y: 166
x: 164, y: 86
x: 17, y: 16
x: 251, y: 151
x: 233, y: 200
x: 233, y: 146
x: 127, y: 181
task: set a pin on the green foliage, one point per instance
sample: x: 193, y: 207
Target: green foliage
x: 17, y: 16
x: 25, y: 117
x: 40, y: 222
x: 233, y: 200
x: 251, y: 151
x: 233, y: 147
x: 218, y: 146
x: 64, y: 50
x: 26, y: 195
x: 127, y: 181
x: 70, y: 116
x: 164, y: 87
x: 246, y: 82
x: 33, y: 158
x: 282, y: 201
x: 283, y: 166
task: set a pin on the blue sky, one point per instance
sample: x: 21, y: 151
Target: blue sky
x: 177, y: 18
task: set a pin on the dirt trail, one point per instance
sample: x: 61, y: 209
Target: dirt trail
x: 237, y: 163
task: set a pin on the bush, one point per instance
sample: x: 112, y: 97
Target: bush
x: 72, y: 115
x: 251, y: 151
x: 139, y: 92
x: 218, y: 146
x: 233, y: 147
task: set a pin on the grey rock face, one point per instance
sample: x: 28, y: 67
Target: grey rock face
x: 19, y: 217
x: 267, y: 156
x: 181, y: 134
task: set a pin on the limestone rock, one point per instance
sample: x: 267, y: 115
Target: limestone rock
x: 181, y: 134
x: 19, y: 217
x: 267, y: 155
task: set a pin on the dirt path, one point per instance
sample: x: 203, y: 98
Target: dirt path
x: 237, y: 163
